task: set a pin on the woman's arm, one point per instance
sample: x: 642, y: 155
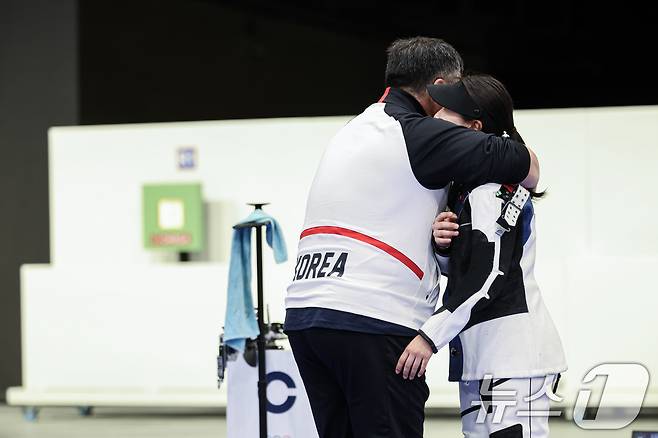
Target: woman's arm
x: 491, y: 247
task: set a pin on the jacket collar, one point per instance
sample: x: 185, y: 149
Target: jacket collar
x: 398, y: 96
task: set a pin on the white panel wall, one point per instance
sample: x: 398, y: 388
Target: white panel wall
x: 147, y: 327
x: 97, y: 174
x: 597, y: 242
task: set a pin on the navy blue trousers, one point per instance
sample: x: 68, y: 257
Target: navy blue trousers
x: 352, y: 386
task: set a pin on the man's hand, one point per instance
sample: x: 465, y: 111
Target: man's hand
x: 414, y: 358
x: 444, y: 228
x: 531, y: 181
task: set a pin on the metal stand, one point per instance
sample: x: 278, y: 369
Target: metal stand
x: 260, y: 341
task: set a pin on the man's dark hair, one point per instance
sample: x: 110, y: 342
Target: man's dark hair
x: 416, y: 62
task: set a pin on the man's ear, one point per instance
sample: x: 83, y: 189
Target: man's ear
x: 477, y: 125
x: 438, y: 81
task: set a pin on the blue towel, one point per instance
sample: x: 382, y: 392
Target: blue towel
x: 240, y: 323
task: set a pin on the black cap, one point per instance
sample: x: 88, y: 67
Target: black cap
x: 455, y: 98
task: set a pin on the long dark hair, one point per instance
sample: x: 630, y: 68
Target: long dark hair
x: 496, y: 103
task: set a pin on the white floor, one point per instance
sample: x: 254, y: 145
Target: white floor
x: 169, y: 423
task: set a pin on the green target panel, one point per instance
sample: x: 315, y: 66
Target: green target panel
x: 173, y: 217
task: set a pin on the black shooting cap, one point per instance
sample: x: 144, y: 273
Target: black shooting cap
x: 455, y: 98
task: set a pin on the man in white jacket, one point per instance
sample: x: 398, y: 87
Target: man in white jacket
x: 366, y: 276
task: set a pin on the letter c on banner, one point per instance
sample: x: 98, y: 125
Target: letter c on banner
x: 287, y: 404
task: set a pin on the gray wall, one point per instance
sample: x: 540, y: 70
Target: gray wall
x: 38, y: 89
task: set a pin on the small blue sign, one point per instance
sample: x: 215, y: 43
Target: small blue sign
x: 186, y: 158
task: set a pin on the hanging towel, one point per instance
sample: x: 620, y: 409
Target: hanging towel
x: 240, y: 322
